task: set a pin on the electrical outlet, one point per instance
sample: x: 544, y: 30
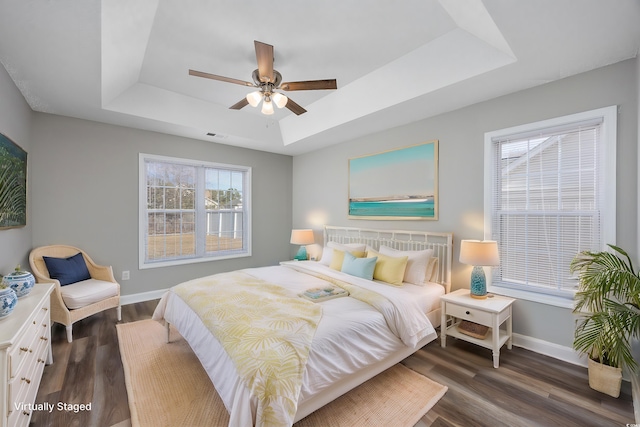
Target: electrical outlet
x: 125, y: 275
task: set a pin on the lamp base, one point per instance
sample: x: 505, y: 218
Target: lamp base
x: 478, y: 288
x: 301, y: 255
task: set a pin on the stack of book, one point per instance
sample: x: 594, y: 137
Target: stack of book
x: 323, y: 294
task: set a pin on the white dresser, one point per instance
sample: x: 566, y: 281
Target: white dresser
x: 25, y: 347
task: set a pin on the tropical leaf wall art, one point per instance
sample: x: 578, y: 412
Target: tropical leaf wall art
x: 13, y: 184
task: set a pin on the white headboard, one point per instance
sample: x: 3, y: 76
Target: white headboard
x: 441, y: 243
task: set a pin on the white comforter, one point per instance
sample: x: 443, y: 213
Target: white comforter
x: 350, y: 336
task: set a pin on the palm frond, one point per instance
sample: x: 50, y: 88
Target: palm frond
x: 609, y: 293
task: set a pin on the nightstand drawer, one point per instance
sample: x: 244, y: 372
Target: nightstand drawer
x: 471, y: 314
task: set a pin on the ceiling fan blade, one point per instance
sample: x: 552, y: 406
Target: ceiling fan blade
x: 238, y: 105
x: 220, y: 78
x: 310, y: 85
x: 295, y: 107
x: 264, y: 56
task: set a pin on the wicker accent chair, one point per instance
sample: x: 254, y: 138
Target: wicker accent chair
x: 60, y: 313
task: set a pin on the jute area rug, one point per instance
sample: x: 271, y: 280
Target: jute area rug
x: 167, y: 386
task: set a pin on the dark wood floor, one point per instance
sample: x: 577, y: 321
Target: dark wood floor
x: 527, y: 390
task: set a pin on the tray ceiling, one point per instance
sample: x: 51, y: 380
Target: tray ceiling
x: 126, y: 63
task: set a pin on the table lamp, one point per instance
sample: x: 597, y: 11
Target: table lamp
x: 301, y: 237
x: 479, y: 254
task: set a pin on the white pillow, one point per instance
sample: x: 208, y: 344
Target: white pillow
x: 432, y: 270
x: 416, y: 271
x: 327, y: 254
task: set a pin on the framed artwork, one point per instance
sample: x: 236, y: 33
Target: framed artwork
x: 13, y: 184
x: 396, y: 184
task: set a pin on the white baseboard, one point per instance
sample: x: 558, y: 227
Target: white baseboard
x: 561, y: 352
x: 141, y: 297
x: 557, y: 351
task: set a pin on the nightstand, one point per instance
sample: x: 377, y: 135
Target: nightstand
x: 491, y: 312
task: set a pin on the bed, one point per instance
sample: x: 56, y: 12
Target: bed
x: 350, y: 339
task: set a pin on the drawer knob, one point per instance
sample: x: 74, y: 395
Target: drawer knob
x: 26, y: 413
x: 40, y: 360
x: 467, y: 312
x: 24, y: 349
x: 44, y: 338
x: 45, y: 308
x: 26, y: 380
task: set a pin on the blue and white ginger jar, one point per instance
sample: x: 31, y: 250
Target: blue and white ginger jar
x: 8, y: 301
x: 20, y: 281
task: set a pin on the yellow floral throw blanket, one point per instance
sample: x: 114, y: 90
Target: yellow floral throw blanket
x: 267, y: 332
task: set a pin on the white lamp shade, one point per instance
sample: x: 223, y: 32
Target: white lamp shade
x: 267, y: 107
x: 254, y: 98
x: 301, y: 237
x: 479, y: 253
x: 279, y: 99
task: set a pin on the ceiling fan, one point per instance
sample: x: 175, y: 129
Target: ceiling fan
x: 267, y: 80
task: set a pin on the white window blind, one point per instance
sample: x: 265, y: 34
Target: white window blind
x: 548, y: 202
x: 192, y: 211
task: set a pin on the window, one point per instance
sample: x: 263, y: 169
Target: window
x: 549, y: 194
x: 192, y: 211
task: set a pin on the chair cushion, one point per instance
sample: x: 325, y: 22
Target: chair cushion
x: 81, y: 294
x: 67, y: 270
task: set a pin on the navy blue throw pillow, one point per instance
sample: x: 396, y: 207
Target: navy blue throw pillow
x: 67, y: 270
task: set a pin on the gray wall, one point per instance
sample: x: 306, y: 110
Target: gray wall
x: 321, y: 178
x: 85, y: 193
x: 15, y: 124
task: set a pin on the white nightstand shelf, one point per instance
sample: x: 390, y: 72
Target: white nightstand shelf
x: 491, y: 312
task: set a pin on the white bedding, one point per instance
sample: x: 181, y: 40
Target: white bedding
x: 427, y: 296
x: 351, y: 336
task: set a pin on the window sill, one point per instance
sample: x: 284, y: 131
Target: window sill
x: 170, y: 263
x: 532, y: 296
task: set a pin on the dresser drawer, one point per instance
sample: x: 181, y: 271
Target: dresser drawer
x: 24, y: 387
x: 41, y: 348
x: 32, y: 390
x: 27, y: 374
x: 19, y: 418
x: 22, y: 415
x: 22, y: 349
x: 470, y: 314
x: 18, y: 390
x: 37, y: 329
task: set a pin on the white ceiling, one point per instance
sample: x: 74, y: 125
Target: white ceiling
x: 126, y: 62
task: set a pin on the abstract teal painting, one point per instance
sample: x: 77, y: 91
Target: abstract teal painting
x: 13, y: 184
x: 396, y: 184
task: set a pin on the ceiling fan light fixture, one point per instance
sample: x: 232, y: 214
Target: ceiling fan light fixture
x: 254, y: 98
x: 266, y: 79
x: 267, y: 107
x: 279, y: 99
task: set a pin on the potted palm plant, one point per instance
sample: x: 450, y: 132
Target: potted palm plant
x: 608, y: 302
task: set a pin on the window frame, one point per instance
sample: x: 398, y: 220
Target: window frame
x: 200, y: 211
x: 606, y: 176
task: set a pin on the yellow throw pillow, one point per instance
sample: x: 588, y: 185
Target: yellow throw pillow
x: 389, y: 269
x: 338, y: 258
